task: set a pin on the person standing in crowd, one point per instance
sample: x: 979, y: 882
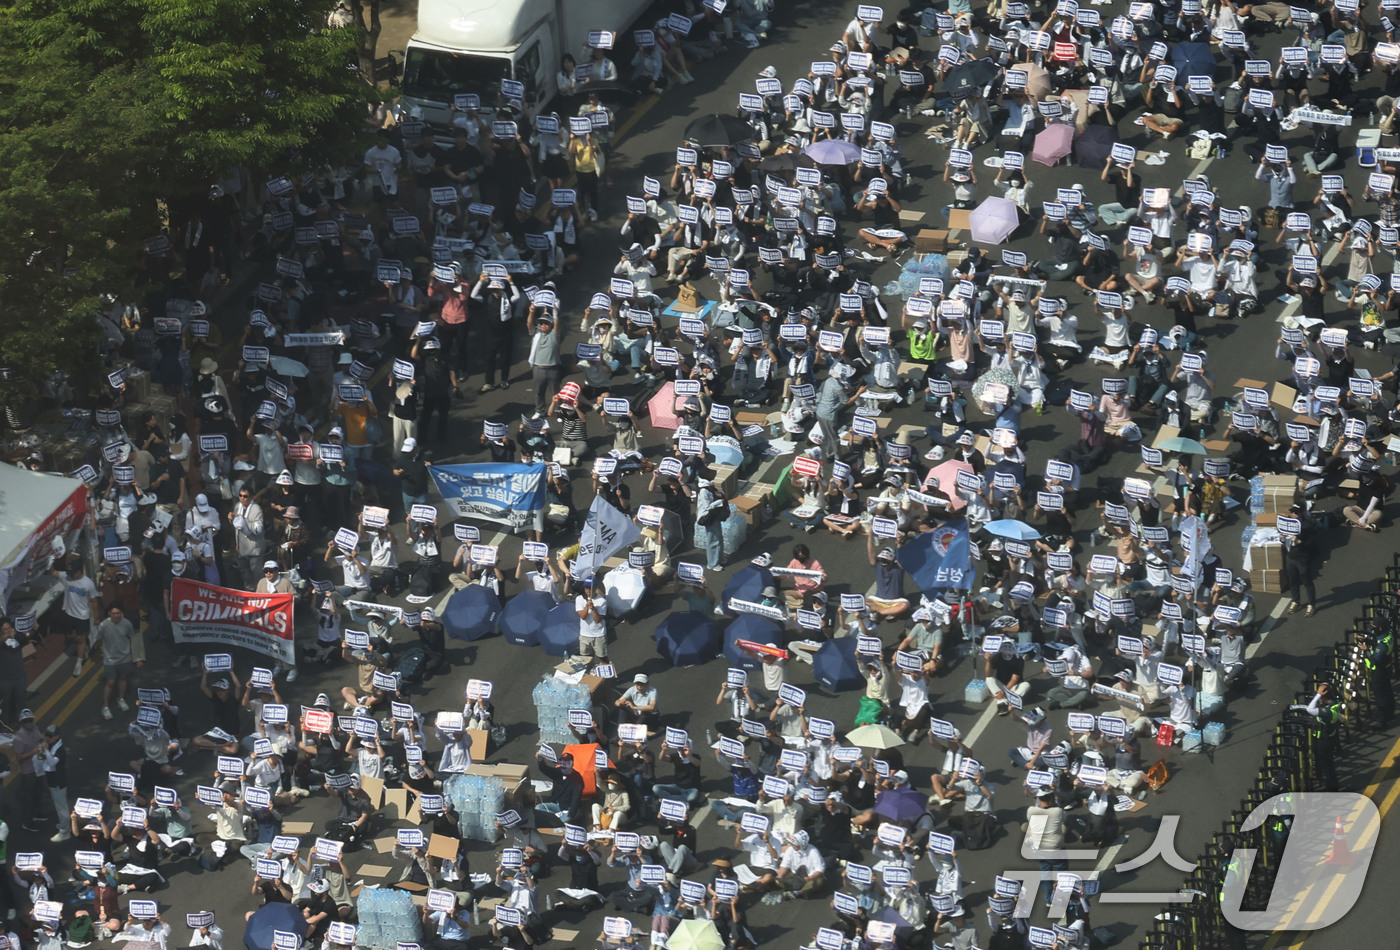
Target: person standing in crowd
x: 116, y: 634
x: 80, y: 605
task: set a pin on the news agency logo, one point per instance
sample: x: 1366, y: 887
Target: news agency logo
x: 1328, y: 840
x: 1330, y: 844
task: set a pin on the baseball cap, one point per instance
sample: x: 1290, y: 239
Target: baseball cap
x: 409, y: 444
x: 640, y: 678
x: 271, y: 566
x: 201, y: 501
x: 336, y: 431
x: 26, y: 715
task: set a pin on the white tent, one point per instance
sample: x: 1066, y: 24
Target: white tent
x: 35, y: 509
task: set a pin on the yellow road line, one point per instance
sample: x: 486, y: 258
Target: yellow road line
x: 91, y: 678
x: 1302, y: 901
x: 91, y: 667
x: 77, y: 699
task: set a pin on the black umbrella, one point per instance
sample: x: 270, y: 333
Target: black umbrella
x: 1093, y: 145
x: 716, y: 131
x: 786, y: 162
x: 969, y: 78
x: 609, y: 91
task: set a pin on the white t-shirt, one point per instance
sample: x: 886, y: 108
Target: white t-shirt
x: 542, y: 581
x: 78, y: 594
x: 587, y: 626
x: 383, y: 552
x: 385, y: 159
x: 354, y: 576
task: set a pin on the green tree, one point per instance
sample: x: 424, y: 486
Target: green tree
x: 115, y: 114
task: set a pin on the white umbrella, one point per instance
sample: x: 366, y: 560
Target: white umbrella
x: 286, y: 366
x: 623, y: 587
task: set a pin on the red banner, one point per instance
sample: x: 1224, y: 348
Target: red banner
x: 203, y: 613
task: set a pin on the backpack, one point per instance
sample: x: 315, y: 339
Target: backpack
x: 979, y: 830
x: 716, y: 512
x: 411, y: 666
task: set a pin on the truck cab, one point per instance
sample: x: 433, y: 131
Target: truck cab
x: 469, y: 46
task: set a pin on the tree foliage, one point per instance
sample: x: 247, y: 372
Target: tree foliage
x: 113, y: 112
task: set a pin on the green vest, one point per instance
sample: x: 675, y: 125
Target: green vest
x: 923, y: 346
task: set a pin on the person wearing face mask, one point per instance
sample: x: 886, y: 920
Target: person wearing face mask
x: 568, y: 789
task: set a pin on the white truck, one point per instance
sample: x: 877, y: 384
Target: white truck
x: 465, y: 47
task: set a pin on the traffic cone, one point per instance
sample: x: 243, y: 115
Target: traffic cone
x: 1339, y: 855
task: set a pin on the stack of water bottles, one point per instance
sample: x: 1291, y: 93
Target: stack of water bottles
x: 553, y: 700
x: 387, y: 918
x: 919, y: 265
x: 478, y: 799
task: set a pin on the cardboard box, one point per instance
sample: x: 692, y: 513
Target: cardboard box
x: 1280, y: 493
x: 931, y: 241
x: 1266, y: 581
x: 752, y: 418
x: 727, y: 479
x: 1266, y: 557
x: 960, y: 219
x: 138, y: 386
x: 480, y: 741
x: 751, y: 506
x: 511, y: 775
x: 909, y: 218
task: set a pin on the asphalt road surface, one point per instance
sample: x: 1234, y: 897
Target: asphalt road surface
x: 1203, y: 789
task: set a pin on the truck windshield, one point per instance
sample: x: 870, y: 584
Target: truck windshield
x: 437, y: 75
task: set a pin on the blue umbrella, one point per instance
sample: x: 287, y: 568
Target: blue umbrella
x: 523, y: 615
x: 747, y: 584
x: 471, y: 613
x: 726, y: 450
x: 903, y: 929
x: 1192, y: 59
x: 1015, y: 530
x: 687, y: 637
x: 836, y: 666
x: 559, y: 632
x: 755, y: 628
x: 257, y: 932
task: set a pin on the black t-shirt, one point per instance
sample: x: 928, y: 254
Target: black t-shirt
x: 168, y: 491
x: 226, y: 714
x: 1003, y: 668
x: 463, y: 159
x: 156, y: 575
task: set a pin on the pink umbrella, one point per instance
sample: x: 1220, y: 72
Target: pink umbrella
x: 947, y: 476
x: 1053, y: 143
x: 662, y: 408
x: 994, y: 220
